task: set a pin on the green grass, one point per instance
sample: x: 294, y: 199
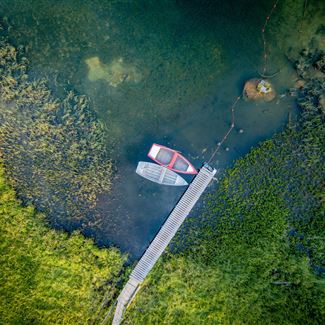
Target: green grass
x: 47, y: 276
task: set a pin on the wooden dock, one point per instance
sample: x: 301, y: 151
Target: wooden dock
x: 162, y: 239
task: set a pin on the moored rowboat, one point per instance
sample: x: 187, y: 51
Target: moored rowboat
x: 159, y: 174
x: 171, y: 159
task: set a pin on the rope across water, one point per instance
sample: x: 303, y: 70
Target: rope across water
x: 263, y: 35
x: 265, y: 57
x: 232, y: 125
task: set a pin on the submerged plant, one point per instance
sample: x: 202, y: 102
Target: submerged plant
x: 54, y: 151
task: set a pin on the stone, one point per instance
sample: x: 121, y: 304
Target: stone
x: 300, y: 83
x: 258, y: 90
x: 114, y: 73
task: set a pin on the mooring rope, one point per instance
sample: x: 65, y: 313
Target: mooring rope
x: 263, y: 35
x: 232, y: 125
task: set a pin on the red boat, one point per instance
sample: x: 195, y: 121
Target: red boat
x: 171, y: 159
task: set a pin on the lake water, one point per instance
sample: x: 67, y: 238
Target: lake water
x: 155, y: 71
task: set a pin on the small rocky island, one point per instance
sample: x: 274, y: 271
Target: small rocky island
x: 258, y: 90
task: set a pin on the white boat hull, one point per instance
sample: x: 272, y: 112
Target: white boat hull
x: 159, y: 174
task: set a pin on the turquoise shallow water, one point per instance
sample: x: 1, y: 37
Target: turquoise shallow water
x: 155, y: 71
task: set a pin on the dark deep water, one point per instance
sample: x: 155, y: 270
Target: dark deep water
x: 155, y: 71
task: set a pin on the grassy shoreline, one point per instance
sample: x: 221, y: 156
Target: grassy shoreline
x: 257, y: 256
x: 256, y: 253
x: 48, y: 276
x: 54, y: 158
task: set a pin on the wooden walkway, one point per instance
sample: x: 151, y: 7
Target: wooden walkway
x: 162, y: 239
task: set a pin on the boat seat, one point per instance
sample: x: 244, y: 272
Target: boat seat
x: 180, y: 164
x: 164, y: 156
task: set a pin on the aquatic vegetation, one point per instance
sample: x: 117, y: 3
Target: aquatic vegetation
x: 73, y: 27
x: 54, y: 151
x: 311, y: 64
x: 176, y: 66
x: 298, y: 24
x: 48, y: 276
x: 114, y: 73
x: 255, y: 255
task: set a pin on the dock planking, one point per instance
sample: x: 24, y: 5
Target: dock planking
x: 162, y: 239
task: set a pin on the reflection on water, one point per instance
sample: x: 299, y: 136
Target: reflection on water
x: 156, y: 71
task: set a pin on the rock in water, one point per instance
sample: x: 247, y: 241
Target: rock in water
x: 113, y: 73
x: 300, y: 83
x: 258, y: 90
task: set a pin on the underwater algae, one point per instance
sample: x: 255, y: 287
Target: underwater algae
x: 298, y: 25
x: 55, y: 152
x: 113, y: 73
